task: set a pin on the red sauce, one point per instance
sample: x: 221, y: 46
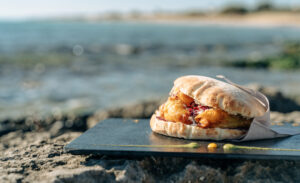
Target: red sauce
x: 194, y: 109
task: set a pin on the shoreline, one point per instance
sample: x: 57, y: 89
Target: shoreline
x: 255, y: 20
x: 260, y: 19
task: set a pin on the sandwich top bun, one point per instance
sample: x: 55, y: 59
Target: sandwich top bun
x: 217, y: 94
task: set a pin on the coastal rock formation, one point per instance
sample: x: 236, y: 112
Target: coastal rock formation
x: 59, y: 123
x: 31, y: 150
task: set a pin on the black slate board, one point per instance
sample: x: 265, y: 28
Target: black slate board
x: 98, y: 139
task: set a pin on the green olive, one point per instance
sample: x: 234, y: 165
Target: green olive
x: 227, y: 147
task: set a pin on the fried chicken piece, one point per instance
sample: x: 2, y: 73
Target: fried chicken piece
x: 212, y: 118
x: 178, y: 109
x: 185, y: 99
x: 175, y: 110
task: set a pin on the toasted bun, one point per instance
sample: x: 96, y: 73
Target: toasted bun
x: 214, y: 93
x: 181, y: 130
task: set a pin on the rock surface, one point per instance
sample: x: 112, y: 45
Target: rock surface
x: 32, y: 151
x: 36, y: 157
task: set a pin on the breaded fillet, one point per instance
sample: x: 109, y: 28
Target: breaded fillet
x: 181, y: 108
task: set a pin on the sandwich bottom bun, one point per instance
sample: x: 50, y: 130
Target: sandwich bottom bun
x: 181, y: 130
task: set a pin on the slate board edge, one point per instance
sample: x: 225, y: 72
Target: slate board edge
x: 69, y: 148
x: 179, y: 154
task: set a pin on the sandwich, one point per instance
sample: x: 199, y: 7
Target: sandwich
x: 205, y: 108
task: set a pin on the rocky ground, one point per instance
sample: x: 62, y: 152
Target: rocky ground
x: 31, y: 150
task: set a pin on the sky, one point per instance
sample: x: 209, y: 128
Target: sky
x: 24, y: 9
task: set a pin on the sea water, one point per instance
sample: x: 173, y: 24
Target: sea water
x: 117, y: 63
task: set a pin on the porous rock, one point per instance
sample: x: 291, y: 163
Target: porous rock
x: 36, y: 154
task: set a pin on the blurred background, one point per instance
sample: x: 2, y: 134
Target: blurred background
x: 72, y: 58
